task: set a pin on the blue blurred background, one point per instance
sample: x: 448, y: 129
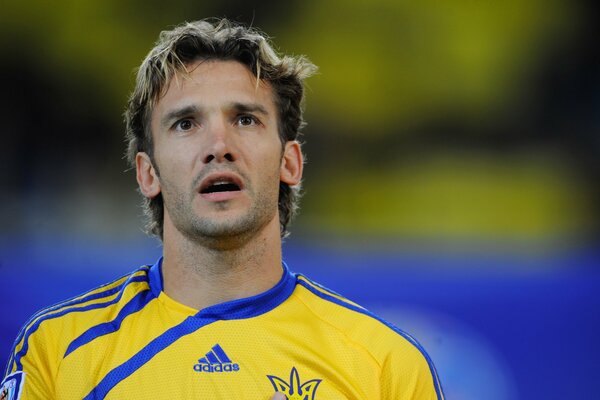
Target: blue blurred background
x: 451, y: 185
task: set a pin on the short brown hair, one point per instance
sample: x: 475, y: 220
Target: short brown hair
x: 216, y: 39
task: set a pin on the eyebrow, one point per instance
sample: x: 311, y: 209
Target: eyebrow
x: 179, y: 113
x: 248, y: 108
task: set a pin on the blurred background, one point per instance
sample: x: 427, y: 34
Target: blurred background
x: 451, y: 186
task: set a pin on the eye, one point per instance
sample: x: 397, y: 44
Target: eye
x: 183, y: 125
x: 247, y: 120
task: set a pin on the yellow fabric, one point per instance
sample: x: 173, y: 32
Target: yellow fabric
x: 298, y: 338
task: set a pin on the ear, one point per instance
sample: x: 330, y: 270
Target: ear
x: 146, y: 175
x: 292, y: 164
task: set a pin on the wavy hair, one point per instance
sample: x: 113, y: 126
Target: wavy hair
x: 216, y: 39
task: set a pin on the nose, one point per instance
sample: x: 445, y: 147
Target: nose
x: 219, y: 147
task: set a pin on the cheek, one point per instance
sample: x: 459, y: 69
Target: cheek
x: 266, y: 167
x: 261, y: 154
x: 175, y: 160
x: 271, y: 164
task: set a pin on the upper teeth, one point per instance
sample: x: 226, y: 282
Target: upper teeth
x: 221, y: 183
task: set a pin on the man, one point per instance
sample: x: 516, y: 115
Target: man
x: 212, y: 127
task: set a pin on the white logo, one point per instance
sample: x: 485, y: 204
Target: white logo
x: 12, y: 386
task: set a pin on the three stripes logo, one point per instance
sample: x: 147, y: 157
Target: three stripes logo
x: 216, y: 360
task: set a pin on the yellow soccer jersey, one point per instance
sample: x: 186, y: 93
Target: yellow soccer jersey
x: 129, y: 340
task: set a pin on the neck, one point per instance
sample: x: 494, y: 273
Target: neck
x: 199, y: 275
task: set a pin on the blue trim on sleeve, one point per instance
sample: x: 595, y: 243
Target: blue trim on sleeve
x: 413, y: 341
x: 236, y: 309
x: 74, y: 301
x: 37, y: 323
x: 137, y: 303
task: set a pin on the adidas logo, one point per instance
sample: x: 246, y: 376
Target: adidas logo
x: 216, y: 361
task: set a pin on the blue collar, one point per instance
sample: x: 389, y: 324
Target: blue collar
x: 236, y: 309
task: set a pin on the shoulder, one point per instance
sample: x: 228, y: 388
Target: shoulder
x: 353, y: 319
x: 395, y: 351
x: 46, y: 335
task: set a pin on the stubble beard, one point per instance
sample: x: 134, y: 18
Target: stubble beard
x: 220, y: 233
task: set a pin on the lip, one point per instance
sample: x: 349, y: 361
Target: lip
x: 221, y: 196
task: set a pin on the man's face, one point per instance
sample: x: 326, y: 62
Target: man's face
x: 218, y: 159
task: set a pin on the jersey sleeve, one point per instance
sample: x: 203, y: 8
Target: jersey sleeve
x: 408, y: 373
x: 29, y: 373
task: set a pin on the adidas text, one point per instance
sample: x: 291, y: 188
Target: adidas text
x: 229, y: 367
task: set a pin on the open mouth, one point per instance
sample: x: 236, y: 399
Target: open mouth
x: 221, y: 183
x: 221, y: 186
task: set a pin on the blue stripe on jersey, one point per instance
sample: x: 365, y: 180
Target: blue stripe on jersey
x: 221, y: 354
x: 73, y: 301
x: 413, y: 341
x: 37, y: 323
x: 189, y: 325
x: 235, y: 309
x: 134, y: 305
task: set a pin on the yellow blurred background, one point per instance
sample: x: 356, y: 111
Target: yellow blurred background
x: 428, y: 120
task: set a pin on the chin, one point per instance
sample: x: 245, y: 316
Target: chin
x: 226, y: 227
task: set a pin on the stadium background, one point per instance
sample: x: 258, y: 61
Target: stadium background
x: 452, y: 181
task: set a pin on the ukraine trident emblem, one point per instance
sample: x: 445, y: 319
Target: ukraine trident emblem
x: 293, y: 389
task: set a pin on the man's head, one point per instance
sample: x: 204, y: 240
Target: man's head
x: 170, y: 60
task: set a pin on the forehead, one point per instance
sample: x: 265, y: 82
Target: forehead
x: 213, y: 82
